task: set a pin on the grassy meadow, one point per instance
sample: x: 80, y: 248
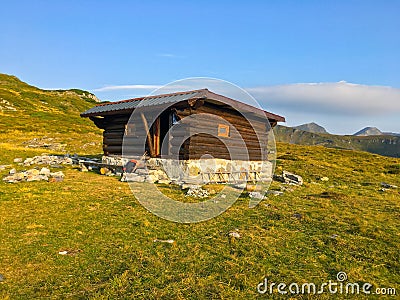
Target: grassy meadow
x: 308, y: 234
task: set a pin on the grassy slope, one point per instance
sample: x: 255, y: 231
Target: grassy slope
x: 383, y: 145
x: 112, y: 234
x: 39, y: 113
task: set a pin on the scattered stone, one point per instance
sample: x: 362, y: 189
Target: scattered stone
x: 1, y: 277
x: 33, y: 172
x: 2, y: 167
x: 334, y: 236
x: 164, y: 181
x: 274, y: 193
x: 34, y: 175
x: 83, y: 167
x: 388, y: 186
x: 234, y: 234
x: 156, y: 174
x: 163, y: 241
x: 289, y: 178
x: 56, y: 179
x: 298, y: 216
x: 142, y: 171
x: 382, y: 190
x: 58, y: 174
x: 239, y: 186
x: 48, y: 160
x: 18, y: 160
x: 256, y: 195
x: 185, y: 186
x: 36, y: 178
x: 44, y: 171
x: 12, y: 171
x: 197, y: 192
x: 324, y: 179
x: 70, y: 252
x: 132, y: 177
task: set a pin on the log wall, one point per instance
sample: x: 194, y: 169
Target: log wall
x: 242, y: 143
x: 206, y: 142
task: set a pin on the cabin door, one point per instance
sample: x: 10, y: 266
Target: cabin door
x: 156, y: 137
x: 160, y: 133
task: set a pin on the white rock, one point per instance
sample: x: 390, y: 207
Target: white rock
x: 164, y: 241
x: 17, y: 160
x: 57, y: 174
x: 256, y: 195
x: 275, y: 193
x: 44, y: 171
x: 234, y: 234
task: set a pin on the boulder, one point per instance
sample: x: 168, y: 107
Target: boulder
x: 388, y: 186
x: 197, y: 192
x: 36, y: 178
x: 32, y: 172
x: 289, y: 178
x: 132, y: 177
x: 234, y: 234
x: 275, y: 193
x: 58, y: 174
x: 44, y: 171
x: 256, y: 195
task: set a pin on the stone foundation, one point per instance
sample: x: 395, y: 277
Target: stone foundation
x: 199, y: 171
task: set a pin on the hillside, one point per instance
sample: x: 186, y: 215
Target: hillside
x: 27, y: 112
x: 386, y: 145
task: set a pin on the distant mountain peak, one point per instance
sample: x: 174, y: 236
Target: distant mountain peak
x: 311, y: 127
x: 368, y: 131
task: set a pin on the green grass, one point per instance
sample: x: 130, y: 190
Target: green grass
x: 115, y: 256
x: 306, y: 235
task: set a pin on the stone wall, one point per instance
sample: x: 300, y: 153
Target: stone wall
x: 199, y: 171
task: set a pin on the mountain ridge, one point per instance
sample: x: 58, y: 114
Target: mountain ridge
x: 386, y: 145
x: 311, y: 127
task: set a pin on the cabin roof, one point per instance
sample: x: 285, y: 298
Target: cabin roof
x: 130, y: 104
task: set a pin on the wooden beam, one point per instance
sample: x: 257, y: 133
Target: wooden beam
x: 149, y: 141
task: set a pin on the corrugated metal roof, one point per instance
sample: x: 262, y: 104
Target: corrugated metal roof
x: 144, y: 102
x: 131, y: 104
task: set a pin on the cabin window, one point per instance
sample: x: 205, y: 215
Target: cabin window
x: 223, y: 130
x: 130, y: 129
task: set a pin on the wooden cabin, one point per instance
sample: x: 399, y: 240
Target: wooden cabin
x: 185, y: 125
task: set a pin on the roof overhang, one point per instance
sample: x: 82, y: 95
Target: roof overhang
x: 127, y: 106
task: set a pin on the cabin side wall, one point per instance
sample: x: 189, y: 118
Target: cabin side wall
x: 217, y: 146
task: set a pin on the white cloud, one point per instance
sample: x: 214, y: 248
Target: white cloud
x: 337, y: 97
x: 166, y: 55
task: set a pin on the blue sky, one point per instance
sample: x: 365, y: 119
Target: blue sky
x: 333, y: 62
